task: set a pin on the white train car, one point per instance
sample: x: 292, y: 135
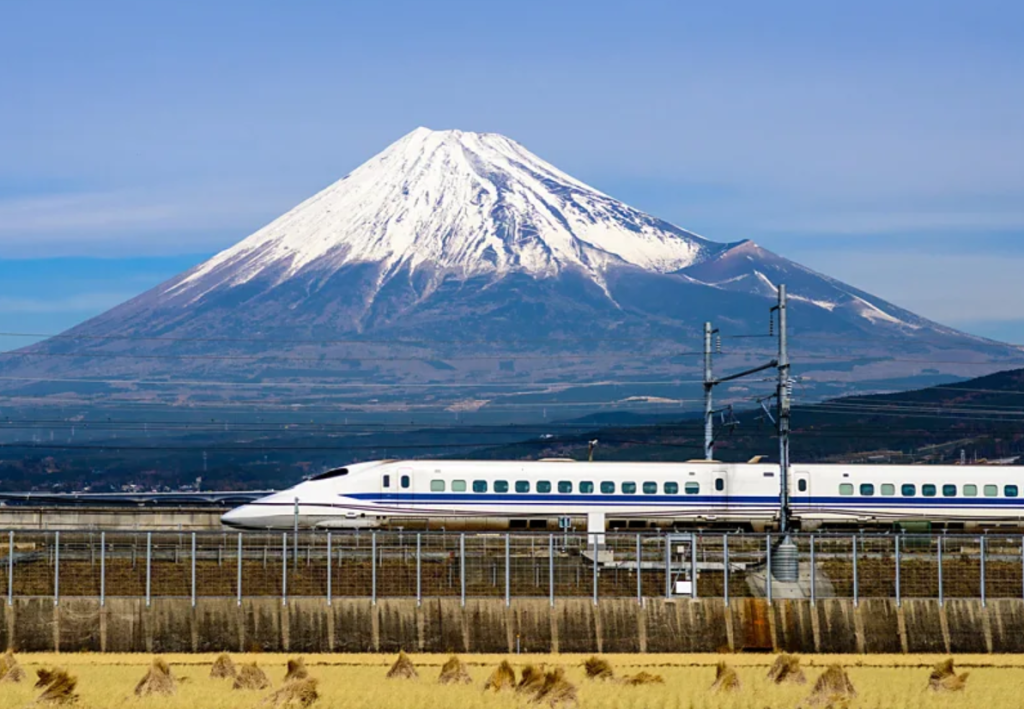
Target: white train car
x: 432, y: 494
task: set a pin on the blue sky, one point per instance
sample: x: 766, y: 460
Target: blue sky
x: 879, y: 142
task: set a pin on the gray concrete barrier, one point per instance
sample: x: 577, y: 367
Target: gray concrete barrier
x: 528, y: 625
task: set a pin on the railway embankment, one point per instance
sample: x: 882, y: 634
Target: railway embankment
x: 36, y: 624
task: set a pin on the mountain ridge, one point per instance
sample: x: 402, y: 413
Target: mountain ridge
x: 449, y: 236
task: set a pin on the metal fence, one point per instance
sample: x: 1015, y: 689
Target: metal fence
x: 394, y: 564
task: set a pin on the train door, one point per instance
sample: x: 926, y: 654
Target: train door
x: 801, y: 490
x: 406, y: 488
x: 719, y: 490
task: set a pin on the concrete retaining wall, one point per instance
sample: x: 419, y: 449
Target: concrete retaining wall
x: 487, y: 625
x: 133, y: 519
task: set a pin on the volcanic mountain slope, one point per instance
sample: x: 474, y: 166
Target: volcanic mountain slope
x: 483, y: 260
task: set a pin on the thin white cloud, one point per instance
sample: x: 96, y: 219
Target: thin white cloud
x: 157, y: 220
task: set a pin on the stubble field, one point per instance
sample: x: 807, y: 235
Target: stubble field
x: 359, y: 682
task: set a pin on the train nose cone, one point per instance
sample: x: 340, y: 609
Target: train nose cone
x: 240, y: 517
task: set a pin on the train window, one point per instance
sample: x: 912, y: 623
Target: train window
x: 671, y: 488
x: 888, y: 489
x: 846, y: 488
x: 928, y: 490
x: 543, y: 486
x: 628, y: 488
x: 650, y: 488
x: 970, y: 490
x: 522, y: 485
x: 501, y: 485
x: 1010, y: 490
x: 405, y: 481
x: 387, y: 481
x: 908, y: 490
x: 479, y: 486
x: 949, y: 490
x: 719, y: 484
x: 437, y: 485
x: 336, y: 473
x: 607, y: 488
x: 564, y: 486
x: 867, y: 489
x: 691, y: 488
x: 587, y: 488
x: 801, y: 484
x: 458, y: 485
x: 991, y: 491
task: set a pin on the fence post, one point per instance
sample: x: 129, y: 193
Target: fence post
x: 814, y: 575
x: 462, y: 568
x: 295, y: 541
x: 725, y: 567
x: 693, y: 566
x: 419, y: 570
x: 56, y: 568
x: 899, y: 545
x: 856, y: 579
x: 330, y: 574
x: 373, y: 568
x: 595, y: 568
x: 768, y: 566
x: 149, y: 567
x: 639, y: 570
x: 10, y: 568
x: 983, y: 595
x: 551, y: 568
x: 941, y: 595
x: 284, y: 568
x: 668, y: 566
x: 239, y: 587
x: 103, y: 569
x: 508, y: 573
x: 193, y: 569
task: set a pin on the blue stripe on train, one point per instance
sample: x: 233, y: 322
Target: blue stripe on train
x: 632, y: 500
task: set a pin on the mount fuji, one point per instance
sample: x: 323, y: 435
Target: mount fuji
x: 457, y: 269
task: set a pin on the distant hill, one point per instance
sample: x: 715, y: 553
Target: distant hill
x: 981, y: 419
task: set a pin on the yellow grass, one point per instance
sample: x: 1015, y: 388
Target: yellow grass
x: 356, y: 682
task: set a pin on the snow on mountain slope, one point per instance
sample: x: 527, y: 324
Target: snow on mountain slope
x: 454, y: 260
x: 461, y: 203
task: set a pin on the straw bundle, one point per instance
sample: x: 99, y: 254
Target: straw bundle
x: 786, y: 670
x: 403, y: 668
x: 296, y: 670
x: 598, y: 668
x: 158, y: 680
x: 454, y: 672
x: 10, y: 670
x: 250, y: 676
x: 726, y: 679
x: 223, y: 668
x: 503, y: 677
x: 299, y: 693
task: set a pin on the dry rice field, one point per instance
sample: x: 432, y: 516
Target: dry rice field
x: 359, y: 682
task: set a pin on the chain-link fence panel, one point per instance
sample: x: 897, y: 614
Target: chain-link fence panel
x: 919, y: 566
x: 961, y: 566
x: 1004, y: 566
x: 33, y: 564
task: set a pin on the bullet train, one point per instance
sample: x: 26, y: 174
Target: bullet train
x: 554, y: 494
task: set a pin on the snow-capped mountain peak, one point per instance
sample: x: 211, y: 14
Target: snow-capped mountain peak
x: 463, y: 204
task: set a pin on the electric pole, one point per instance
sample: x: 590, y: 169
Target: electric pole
x: 709, y: 387
x: 783, y: 394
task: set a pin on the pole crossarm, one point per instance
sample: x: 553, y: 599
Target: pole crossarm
x: 722, y: 380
